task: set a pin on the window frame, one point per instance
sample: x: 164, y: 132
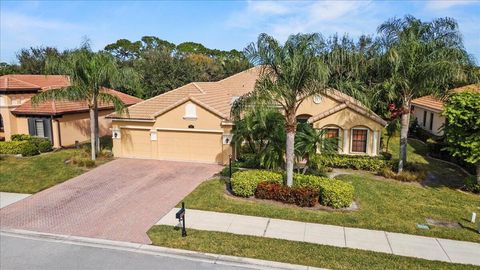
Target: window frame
x: 190, y: 111
x: 424, y: 118
x: 366, y: 141
x: 430, y: 125
x: 339, y: 136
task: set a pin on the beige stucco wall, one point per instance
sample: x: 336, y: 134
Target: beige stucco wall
x: 76, y: 127
x: 347, y: 119
x: 204, y: 143
x: 438, y: 120
x: 13, y: 125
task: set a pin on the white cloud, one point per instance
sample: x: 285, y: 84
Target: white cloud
x: 447, y: 4
x: 281, y: 19
x: 20, y: 22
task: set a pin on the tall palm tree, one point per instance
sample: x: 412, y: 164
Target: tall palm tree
x: 89, y: 74
x: 290, y: 73
x: 420, y: 58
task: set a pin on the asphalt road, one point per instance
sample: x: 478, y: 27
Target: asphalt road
x: 22, y: 253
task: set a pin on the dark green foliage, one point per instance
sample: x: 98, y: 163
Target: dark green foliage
x: 367, y: 163
x: 225, y: 172
x: 42, y: 145
x: 462, y: 127
x: 472, y: 185
x: 20, y: 137
x: 336, y: 193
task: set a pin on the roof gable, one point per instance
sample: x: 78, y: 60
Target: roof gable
x: 18, y: 82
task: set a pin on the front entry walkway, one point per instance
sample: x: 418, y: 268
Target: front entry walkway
x: 119, y: 200
x: 380, y: 241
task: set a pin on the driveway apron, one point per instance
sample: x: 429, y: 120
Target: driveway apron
x: 120, y: 200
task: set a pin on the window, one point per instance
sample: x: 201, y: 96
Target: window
x: 1, y: 123
x: 424, y: 118
x: 332, y: 136
x: 359, y: 140
x: 431, y: 121
x: 39, y: 128
x: 190, y: 111
x: 331, y: 133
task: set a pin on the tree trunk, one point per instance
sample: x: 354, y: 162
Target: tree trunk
x: 405, y: 122
x: 290, y: 154
x: 478, y: 172
x: 97, y: 131
x: 92, y: 132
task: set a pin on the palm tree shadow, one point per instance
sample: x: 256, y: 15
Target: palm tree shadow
x: 439, y: 173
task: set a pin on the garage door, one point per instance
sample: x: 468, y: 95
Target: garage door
x: 190, y: 146
x: 136, y: 143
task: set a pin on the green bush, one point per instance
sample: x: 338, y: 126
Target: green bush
x: 42, y: 144
x: 25, y: 148
x: 353, y: 162
x: 311, y: 181
x: 244, y: 183
x: 336, y: 193
x: 471, y: 184
x: 332, y: 192
x: 225, y: 172
x: 20, y: 137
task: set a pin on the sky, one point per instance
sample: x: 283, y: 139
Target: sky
x: 216, y: 24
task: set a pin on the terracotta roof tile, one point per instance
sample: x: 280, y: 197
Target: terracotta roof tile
x: 19, y: 82
x: 58, y: 107
x: 216, y: 96
x: 436, y: 104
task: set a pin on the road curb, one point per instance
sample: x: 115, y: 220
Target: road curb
x: 157, y: 250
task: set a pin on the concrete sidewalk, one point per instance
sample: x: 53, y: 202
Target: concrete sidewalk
x: 7, y: 198
x: 380, y: 241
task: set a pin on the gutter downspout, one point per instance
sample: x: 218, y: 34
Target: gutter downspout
x: 59, y: 134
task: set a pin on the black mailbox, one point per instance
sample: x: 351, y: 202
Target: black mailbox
x: 180, y: 215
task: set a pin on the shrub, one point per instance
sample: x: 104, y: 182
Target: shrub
x: 225, y: 172
x: 249, y: 160
x: 471, y: 184
x: 304, y: 197
x: 25, y: 148
x: 412, y: 173
x: 354, y: 162
x: 20, y: 137
x: 336, y: 193
x: 42, y: 144
x: 244, y: 183
x: 332, y: 192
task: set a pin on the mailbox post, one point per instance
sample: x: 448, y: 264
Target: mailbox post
x: 180, y: 215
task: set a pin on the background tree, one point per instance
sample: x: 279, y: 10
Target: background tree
x: 32, y: 60
x: 420, y: 58
x: 290, y: 73
x: 462, y: 127
x: 89, y: 74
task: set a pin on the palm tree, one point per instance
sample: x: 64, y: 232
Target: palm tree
x: 261, y: 129
x: 310, y: 140
x: 290, y: 73
x: 420, y: 58
x: 90, y: 73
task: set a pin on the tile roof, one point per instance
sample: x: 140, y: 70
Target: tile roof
x: 59, y: 107
x: 24, y: 82
x: 214, y: 96
x: 436, y: 104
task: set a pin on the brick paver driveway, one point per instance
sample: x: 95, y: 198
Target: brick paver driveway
x: 120, y: 200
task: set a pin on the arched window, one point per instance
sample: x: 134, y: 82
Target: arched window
x: 359, y: 139
x: 303, y: 118
x: 190, y: 111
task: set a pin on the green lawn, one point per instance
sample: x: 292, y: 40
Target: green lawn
x: 444, y: 173
x: 33, y: 174
x: 289, y: 251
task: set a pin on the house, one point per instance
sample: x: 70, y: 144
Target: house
x: 63, y: 122
x: 428, y: 110
x: 193, y: 123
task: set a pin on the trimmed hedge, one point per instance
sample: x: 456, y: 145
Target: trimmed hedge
x: 303, y: 197
x: 336, y: 193
x: 244, y: 183
x: 25, y: 148
x: 42, y: 144
x: 367, y: 163
x: 332, y: 192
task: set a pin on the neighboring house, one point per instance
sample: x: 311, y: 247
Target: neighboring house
x: 193, y: 123
x: 428, y: 110
x: 63, y: 122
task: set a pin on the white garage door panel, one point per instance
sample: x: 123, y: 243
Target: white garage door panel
x: 136, y: 143
x: 190, y: 146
